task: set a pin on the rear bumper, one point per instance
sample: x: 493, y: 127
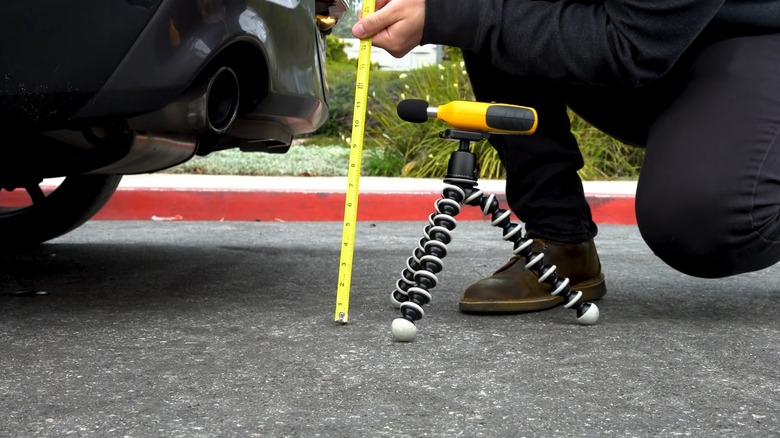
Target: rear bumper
x: 119, y: 59
x: 55, y: 56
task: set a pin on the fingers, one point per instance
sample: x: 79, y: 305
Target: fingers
x: 378, y: 4
x: 372, y: 24
x: 396, y: 26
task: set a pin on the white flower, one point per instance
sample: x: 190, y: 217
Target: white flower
x: 402, y: 76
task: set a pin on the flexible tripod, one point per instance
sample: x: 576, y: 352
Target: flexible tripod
x: 460, y: 187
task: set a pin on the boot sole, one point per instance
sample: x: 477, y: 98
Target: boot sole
x: 592, y: 290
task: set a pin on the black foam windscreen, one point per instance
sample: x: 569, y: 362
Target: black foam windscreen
x: 413, y: 110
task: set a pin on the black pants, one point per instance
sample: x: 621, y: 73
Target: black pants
x: 708, y: 196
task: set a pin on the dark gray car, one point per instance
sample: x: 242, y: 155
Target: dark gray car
x: 94, y: 89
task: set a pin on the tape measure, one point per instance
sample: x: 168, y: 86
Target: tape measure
x: 353, y: 174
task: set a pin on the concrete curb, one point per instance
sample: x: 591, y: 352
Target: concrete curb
x: 249, y: 198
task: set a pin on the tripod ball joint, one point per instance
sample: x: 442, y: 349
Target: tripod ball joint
x: 588, y: 314
x: 403, y: 330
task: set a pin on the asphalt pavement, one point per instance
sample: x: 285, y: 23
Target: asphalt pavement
x: 166, y: 328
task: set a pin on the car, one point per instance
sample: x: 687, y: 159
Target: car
x: 94, y: 90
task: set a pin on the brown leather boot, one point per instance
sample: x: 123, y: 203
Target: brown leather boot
x: 514, y: 289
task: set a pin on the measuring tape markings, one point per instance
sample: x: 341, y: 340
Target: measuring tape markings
x: 353, y: 174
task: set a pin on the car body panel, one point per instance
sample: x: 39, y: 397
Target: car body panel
x: 159, y: 50
x: 91, y: 90
x: 46, y: 77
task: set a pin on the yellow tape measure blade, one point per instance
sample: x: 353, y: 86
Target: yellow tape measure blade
x: 353, y: 176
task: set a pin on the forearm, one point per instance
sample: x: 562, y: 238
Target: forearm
x: 628, y: 42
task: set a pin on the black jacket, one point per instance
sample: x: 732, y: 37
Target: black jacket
x: 611, y: 42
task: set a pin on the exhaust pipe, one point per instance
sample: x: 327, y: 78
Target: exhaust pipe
x: 222, y: 100
x: 210, y: 106
x: 150, y: 152
x: 111, y: 152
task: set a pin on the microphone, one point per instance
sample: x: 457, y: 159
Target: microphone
x: 472, y: 116
x: 413, y: 110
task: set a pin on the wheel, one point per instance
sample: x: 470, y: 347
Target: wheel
x: 31, y: 219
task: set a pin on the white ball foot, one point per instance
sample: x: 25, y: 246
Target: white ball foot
x: 591, y: 316
x: 403, y: 330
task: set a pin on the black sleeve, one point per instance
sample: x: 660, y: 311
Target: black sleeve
x: 626, y: 42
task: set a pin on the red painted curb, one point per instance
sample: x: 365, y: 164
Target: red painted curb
x: 239, y: 205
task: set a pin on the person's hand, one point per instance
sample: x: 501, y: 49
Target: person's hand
x: 396, y: 25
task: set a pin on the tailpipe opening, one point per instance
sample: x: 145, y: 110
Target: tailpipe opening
x: 222, y: 100
x: 210, y: 106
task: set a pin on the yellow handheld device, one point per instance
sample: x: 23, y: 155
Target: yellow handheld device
x: 473, y: 116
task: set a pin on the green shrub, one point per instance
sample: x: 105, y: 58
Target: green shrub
x: 334, y: 50
x: 341, y: 92
x: 340, y: 74
x: 397, y: 148
x: 382, y: 162
x: 605, y: 157
x: 341, y: 77
x: 425, y: 154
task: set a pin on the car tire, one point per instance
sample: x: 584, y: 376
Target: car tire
x: 72, y: 203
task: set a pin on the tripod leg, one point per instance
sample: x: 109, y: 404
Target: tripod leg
x: 587, y: 313
x: 419, y: 276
